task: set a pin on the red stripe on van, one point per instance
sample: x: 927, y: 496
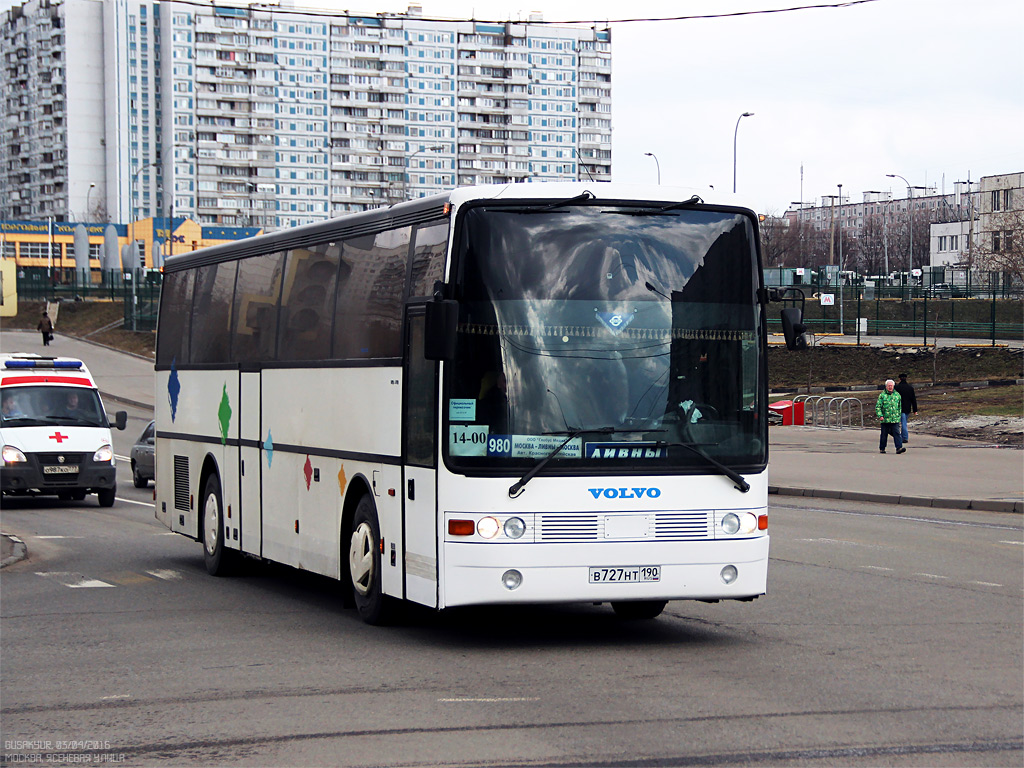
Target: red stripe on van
x: 46, y: 380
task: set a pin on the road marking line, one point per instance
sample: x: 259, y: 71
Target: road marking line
x: 875, y: 568
x: 140, y: 503
x: 932, y: 576
x: 118, y: 696
x: 165, y: 574
x: 73, y: 580
x: 986, y: 584
x: 1019, y: 543
x: 60, y: 537
x: 489, y: 700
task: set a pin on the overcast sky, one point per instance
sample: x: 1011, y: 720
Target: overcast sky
x: 929, y: 89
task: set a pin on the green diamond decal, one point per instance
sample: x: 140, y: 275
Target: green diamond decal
x: 224, y: 416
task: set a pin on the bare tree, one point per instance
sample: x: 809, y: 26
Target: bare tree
x: 1002, y: 250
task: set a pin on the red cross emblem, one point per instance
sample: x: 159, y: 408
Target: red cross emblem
x: 58, y: 437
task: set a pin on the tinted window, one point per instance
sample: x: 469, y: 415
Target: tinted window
x: 256, y: 296
x: 371, y: 284
x: 211, y: 313
x: 428, y: 258
x: 175, y: 318
x: 307, y: 302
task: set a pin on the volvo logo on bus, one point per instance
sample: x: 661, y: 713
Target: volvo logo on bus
x: 625, y: 493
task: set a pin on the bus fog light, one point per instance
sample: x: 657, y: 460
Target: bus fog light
x: 748, y: 523
x: 488, y: 527
x: 730, y: 523
x: 511, y: 579
x: 515, y: 527
x: 729, y: 574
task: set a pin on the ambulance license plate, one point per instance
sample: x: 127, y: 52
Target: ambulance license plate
x: 62, y: 469
x: 625, y: 574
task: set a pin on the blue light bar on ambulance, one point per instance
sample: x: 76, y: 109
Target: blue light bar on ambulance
x: 43, y: 363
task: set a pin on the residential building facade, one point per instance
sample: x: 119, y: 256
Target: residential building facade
x: 272, y: 116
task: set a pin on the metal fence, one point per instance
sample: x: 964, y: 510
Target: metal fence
x: 138, y: 289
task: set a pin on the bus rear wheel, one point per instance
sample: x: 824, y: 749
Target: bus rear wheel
x: 638, y: 609
x: 364, y: 566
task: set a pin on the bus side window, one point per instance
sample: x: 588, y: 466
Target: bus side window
x: 307, y: 302
x: 211, y: 313
x: 368, y: 323
x: 256, y: 308
x: 428, y: 258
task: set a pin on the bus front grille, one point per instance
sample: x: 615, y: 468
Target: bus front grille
x: 660, y: 526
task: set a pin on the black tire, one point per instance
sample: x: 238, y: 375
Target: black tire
x: 364, y: 566
x: 139, y: 480
x: 218, y: 560
x: 635, y: 610
x: 106, y: 496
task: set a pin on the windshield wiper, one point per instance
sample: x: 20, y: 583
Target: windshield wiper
x: 571, y: 433
x: 695, y: 200
x: 551, y: 208
x: 741, y: 484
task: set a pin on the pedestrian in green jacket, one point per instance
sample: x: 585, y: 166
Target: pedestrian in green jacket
x: 888, y: 409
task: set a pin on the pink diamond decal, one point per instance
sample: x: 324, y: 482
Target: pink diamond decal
x: 307, y: 470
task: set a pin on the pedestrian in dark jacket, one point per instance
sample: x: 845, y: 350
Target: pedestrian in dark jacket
x: 908, y: 404
x: 45, y: 327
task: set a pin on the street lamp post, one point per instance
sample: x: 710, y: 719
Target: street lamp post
x: 735, y: 133
x: 408, y: 162
x: 656, y: 163
x: 842, y: 329
x: 88, y: 194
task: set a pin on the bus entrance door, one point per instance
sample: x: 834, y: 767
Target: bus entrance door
x: 419, y: 465
x: 250, y: 469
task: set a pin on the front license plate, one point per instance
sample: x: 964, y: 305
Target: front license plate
x: 65, y: 469
x: 625, y: 574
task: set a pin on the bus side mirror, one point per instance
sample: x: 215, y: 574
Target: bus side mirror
x: 793, y: 328
x: 120, y: 420
x: 442, y: 320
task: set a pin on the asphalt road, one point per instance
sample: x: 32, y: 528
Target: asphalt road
x: 890, y: 636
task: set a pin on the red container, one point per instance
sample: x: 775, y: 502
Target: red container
x: 792, y: 413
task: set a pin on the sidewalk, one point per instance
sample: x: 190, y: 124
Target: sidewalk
x: 803, y: 461
x: 934, y: 472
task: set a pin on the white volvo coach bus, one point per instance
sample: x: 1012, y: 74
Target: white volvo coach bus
x: 512, y: 394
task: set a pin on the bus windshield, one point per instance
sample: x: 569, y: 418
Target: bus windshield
x: 630, y: 334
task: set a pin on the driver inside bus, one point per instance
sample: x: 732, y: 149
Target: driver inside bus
x: 492, y: 404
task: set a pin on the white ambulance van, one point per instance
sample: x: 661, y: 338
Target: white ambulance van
x: 54, y: 430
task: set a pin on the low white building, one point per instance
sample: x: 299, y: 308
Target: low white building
x: 953, y: 243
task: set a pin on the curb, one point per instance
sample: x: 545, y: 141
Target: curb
x: 978, y: 505
x: 19, y: 553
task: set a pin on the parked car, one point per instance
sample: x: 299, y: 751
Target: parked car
x: 143, y: 457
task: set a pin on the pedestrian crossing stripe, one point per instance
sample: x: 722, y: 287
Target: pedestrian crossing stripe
x: 74, y: 580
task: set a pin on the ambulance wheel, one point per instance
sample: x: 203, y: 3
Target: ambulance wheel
x: 364, y: 566
x: 106, y: 496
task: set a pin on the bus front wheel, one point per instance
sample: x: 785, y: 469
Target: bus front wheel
x: 638, y: 609
x: 217, y: 560
x: 364, y: 565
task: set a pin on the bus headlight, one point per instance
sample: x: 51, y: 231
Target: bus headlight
x: 511, y: 579
x: 515, y: 527
x: 104, y: 454
x: 12, y: 455
x: 730, y: 523
x: 748, y: 522
x: 488, y: 527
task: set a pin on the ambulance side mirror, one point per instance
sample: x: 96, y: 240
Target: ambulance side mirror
x: 120, y: 420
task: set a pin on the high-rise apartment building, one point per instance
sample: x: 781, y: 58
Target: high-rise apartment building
x: 272, y: 116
